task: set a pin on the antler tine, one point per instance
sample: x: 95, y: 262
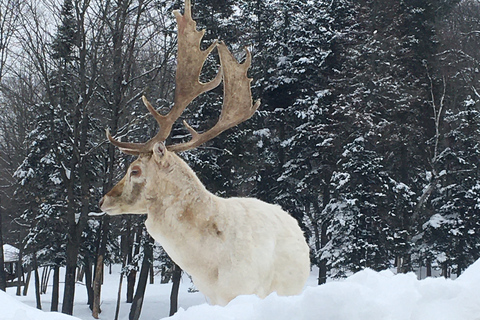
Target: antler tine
x: 138, y: 148
x: 237, y: 101
x: 190, y: 62
x: 126, y: 147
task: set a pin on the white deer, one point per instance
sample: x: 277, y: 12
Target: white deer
x: 230, y: 247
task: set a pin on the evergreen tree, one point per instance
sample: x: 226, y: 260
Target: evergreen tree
x: 37, y: 174
x: 357, y: 210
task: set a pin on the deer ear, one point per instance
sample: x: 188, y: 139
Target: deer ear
x: 159, y: 151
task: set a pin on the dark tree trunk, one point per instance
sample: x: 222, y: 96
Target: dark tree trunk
x: 88, y: 282
x: 132, y: 274
x: 37, y: 282
x: 55, y: 289
x: 73, y: 244
x: 176, y: 276
x: 403, y: 263
x: 3, y: 278
x: 19, y: 272
x: 445, y: 270
x: 316, y: 233
x: 71, y: 267
x: 80, y: 273
x: 97, y: 282
x: 152, y: 274
x: 429, y: 268
x: 131, y: 277
x: 124, y: 249
x: 137, y: 302
x: 45, y: 276
x: 119, y: 295
x: 78, y: 174
x: 27, y: 282
x: 322, y: 265
x: 42, y: 280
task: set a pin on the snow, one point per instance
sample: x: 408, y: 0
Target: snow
x: 15, y: 310
x: 366, y: 295
x: 96, y: 214
x: 436, y: 221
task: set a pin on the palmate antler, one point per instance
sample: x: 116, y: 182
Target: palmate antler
x: 237, y: 101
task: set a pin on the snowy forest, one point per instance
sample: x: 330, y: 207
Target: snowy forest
x: 368, y: 132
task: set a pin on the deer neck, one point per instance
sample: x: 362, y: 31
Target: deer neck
x: 184, y: 219
x: 179, y: 199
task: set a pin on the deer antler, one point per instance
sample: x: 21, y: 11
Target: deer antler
x: 190, y: 60
x: 237, y: 99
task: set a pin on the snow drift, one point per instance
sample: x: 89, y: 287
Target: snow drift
x: 367, y: 295
x: 11, y: 309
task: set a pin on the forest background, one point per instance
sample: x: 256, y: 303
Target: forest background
x: 368, y: 132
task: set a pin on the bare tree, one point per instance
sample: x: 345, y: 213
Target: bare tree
x: 9, y: 20
x: 36, y: 40
x: 140, y: 51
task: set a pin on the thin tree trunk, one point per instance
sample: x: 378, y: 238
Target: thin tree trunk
x: 316, y: 234
x: 429, y: 268
x: 3, y: 277
x: 42, y: 282
x: 97, y: 287
x: 56, y: 287
x: 445, y: 270
x: 132, y: 273
x: 45, y: 279
x: 19, y: 272
x: 88, y: 282
x: 152, y: 274
x: 119, y: 294
x: 322, y: 265
x: 80, y: 273
x: 403, y: 263
x: 37, y: 282
x: 124, y: 241
x: 27, y: 282
x: 177, y: 275
x: 97, y: 282
x: 137, y: 302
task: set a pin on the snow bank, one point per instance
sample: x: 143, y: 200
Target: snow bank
x: 367, y: 295
x: 11, y: 309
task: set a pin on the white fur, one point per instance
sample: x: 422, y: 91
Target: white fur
x: 230, y: 247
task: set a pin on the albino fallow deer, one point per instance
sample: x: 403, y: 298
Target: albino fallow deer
x: 231, y: 246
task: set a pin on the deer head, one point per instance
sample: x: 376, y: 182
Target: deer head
x: 154, y: 158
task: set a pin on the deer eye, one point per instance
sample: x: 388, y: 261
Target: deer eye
x: 135, y: 171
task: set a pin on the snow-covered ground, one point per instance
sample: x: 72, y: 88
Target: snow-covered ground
x: 366, y: 295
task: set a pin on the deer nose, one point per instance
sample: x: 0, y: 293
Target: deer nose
x: 100, y: 203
